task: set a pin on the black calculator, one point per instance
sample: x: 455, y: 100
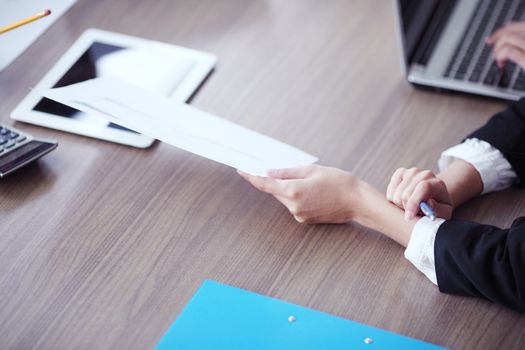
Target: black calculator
x: 18, y: 149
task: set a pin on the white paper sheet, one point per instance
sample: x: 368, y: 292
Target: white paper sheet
x: 180, y: 125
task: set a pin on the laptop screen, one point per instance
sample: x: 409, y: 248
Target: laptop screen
x: 421, y: 22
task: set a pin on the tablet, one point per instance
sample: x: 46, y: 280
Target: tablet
x: 163, y: 68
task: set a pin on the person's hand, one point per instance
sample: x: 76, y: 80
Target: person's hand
x: 508, y: 44
x: 409, y: 187
x: 313, y: 193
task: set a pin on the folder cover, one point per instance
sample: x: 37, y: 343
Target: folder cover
x: 224, y: 317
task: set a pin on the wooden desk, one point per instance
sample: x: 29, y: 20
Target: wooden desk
x: 102, y: 245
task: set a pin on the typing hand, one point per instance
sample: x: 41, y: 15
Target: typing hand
x: 314, y: 193
x: 508, y: 44
x: 409, y: 187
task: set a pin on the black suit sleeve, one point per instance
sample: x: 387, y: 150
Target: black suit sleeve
x: 506, y: 132
x: 482, y: 260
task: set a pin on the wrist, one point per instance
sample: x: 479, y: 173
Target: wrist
x: 369, y: 202
x: 462, y: 181
x: 358, y: 201
x: 373, y: 210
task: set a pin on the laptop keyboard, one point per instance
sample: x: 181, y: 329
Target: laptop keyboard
x: 472, y: 60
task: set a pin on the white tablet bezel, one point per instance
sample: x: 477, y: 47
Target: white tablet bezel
x: 24, y: 111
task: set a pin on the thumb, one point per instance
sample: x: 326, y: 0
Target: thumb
x: 441, y: 210
x: 290, y: 173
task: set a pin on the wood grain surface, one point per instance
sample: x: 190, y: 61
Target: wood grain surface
x: 102, y: 245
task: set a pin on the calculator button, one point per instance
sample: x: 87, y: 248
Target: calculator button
x: 21, y: 139
x: 4, y: 131
x: 13, y: 135
x: 2, y: 141
x: 10, y: 144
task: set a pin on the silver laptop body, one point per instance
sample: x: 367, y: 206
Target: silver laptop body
x: 443, y: 45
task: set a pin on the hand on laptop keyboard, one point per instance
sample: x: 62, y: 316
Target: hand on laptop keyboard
x: 499, y: 62
x: 508, y: 44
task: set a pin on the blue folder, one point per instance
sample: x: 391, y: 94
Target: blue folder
x: 223, y: 317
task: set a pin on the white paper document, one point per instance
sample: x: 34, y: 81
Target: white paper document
x: 180, y: 125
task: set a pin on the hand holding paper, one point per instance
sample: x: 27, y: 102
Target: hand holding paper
x: 180, y: 125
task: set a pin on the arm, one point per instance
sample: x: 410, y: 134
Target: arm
x: 464, y: 257
x: 482, y: 260
x: 382, y: 216
x: 470, y: 259
x: 506, y: 132
x: 317, y: 194
x: 462, y: 180
x: 491, y: 159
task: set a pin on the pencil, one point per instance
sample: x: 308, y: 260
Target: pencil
x: 25, y: 21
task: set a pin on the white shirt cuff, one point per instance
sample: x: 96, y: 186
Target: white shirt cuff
x: 495, y: 171
x: 420, y: 249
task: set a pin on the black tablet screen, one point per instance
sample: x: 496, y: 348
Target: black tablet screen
x: 83, y: 69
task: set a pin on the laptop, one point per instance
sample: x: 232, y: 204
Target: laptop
x: 443, y: 45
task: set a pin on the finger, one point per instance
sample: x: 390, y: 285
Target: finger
x: 275, y: 187
x: 440, y: 210
x: 264, y: 184
x: 395, y: 180
x: 284, y: 201
x: 425, y: 190
x: 421, y: 193
x: 299, y: 219
x: 292, y: 207
x: 509, y: 53
x: 512, y: 39
x: 512, y: 27
x: 291, y: 173
x: 431, y: 203
x: 517, y: 56
x: 409, y: 189
x: 501, y: 55
x: 398, y: 192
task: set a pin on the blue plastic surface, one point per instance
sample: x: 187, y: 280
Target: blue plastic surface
x: 223, y: 317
